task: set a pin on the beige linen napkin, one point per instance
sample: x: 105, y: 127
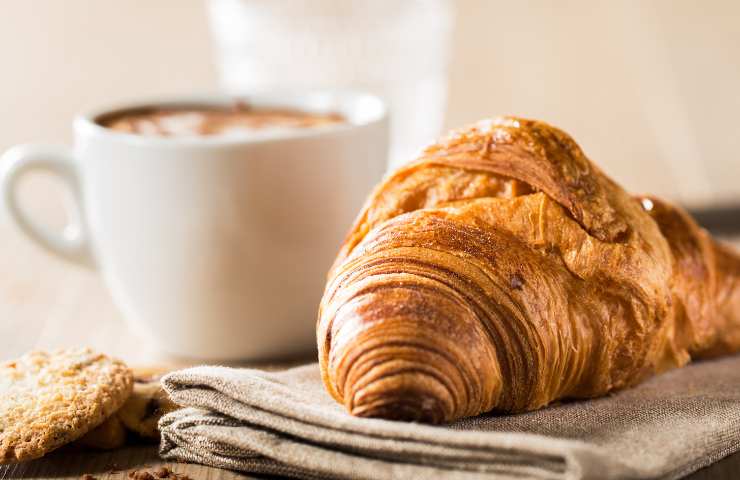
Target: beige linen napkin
x: 286, y: 424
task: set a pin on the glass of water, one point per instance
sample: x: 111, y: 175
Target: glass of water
x: 398, y: 50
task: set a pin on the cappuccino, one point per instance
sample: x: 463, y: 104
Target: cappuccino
x: 197, y: 121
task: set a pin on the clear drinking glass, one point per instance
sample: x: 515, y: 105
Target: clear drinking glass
x: 397, y: 49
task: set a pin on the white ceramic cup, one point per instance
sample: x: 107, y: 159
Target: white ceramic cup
x: 214, y: 247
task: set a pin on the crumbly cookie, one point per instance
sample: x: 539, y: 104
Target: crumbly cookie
x: 147, y: 404
x: 108, y: 435
x: 139, y: 414
x: 50, y: 399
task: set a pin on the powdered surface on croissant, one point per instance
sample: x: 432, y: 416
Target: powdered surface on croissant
x: 503, y: 270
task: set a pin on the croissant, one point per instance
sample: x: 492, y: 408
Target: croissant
x: 503, y: 270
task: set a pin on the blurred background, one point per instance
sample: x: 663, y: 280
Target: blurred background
x: 649, y: 89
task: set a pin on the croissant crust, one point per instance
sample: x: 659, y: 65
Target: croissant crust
x: 502, y: 270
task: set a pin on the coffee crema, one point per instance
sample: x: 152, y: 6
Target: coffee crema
x: 201, y: 121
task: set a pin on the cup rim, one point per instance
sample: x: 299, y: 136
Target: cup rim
x: 362, y: 109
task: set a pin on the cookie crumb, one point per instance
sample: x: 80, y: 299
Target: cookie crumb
x: 162, y: 472
x: 157, y: 473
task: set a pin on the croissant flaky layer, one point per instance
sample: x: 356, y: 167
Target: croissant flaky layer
x: 503, y: 270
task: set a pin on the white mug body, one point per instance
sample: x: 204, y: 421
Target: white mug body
x: 218, y: 247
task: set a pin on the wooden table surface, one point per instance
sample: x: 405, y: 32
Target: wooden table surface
x: 48, y: 303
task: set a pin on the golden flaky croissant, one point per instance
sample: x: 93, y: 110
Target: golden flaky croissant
x: 503, y: 270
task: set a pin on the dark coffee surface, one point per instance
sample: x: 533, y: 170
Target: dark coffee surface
x: 195, y: 121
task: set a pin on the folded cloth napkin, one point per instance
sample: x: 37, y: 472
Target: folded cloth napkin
x: 285, y: 423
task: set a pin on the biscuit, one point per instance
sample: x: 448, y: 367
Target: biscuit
x: 140, y: 413
x: 50, y: 399
x: 148, y: 402
x: 108, y: 435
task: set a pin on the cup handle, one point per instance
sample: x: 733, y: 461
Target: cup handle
x: 73, y: 242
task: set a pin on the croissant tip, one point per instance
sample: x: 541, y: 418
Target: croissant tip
x: 422, y: 409
x: 407, y: 395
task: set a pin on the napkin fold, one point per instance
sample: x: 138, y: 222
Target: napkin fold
x: 285, y: 423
